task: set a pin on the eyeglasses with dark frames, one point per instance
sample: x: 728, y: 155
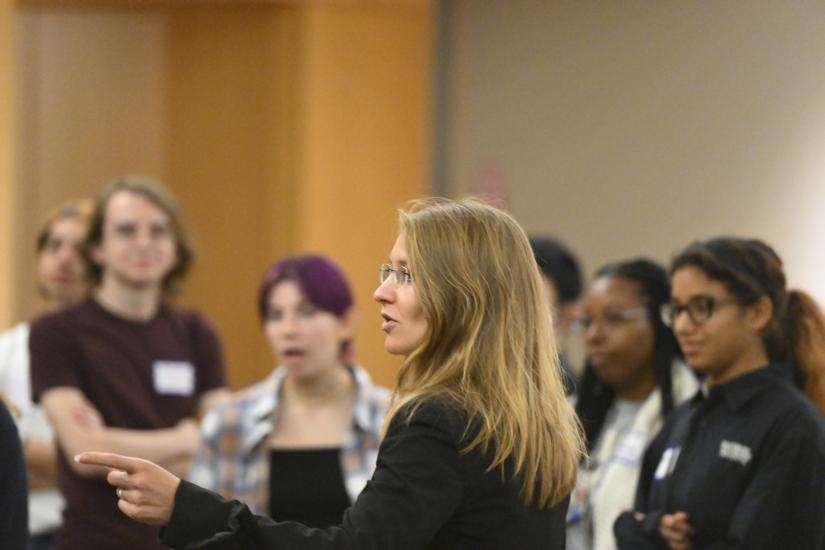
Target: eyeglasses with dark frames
x: 613, y: 319
x: 402, y: 274
x: 699, y: 309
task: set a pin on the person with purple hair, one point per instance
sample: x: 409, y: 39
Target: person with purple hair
x: 301, y: 444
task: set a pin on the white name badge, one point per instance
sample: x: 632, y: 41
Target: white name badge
x: 631, y: 449
x: 174, y: 377
x: 667, y: 463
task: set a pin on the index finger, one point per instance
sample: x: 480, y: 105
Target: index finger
x: 110, y: 460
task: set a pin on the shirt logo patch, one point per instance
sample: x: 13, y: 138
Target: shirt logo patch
x: 735, y: 451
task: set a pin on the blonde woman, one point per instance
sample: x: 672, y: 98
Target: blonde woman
x: 480, y: 449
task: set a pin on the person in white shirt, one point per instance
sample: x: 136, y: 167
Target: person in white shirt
x: 146, y: 367
x: 61, y: 282
x: 633, y: 377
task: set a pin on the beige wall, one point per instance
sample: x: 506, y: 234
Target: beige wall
x: 634, y: 127
x: 283, y: 127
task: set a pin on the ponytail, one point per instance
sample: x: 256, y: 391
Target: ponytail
x: 804, y: 329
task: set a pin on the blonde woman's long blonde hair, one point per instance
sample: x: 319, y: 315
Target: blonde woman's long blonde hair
x: 490, y: 345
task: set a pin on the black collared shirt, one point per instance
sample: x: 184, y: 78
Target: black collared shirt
x: 746, y: 463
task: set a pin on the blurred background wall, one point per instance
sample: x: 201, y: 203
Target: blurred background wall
x: 284, y: 126
x: 7, y: 204
x: 631, y: 128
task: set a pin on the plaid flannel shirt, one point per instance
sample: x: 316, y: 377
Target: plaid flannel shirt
x: 233, y: 459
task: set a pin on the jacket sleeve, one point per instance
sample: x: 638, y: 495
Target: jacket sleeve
x: 416, y: 487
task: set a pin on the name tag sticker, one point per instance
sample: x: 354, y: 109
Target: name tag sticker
x: 631, y: 449
x: 667, y: 463
x: 173, y: 377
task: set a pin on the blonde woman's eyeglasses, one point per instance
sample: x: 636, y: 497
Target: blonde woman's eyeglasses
x: 402, y: 274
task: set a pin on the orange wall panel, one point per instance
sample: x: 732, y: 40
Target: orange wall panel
x: 365, y: 144
x: 7, y: 203
x: 281, y: 127
x: 223, y: 125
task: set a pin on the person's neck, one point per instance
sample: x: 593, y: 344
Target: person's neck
x: 332, y: 386
x: 637, y: 390
x: 751, y: 360
x: 50, y: 305
x: 130, y: 303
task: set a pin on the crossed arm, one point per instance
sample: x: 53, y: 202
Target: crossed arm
x: 79, y: 428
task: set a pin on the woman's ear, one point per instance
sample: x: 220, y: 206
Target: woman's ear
x: 760, y: 313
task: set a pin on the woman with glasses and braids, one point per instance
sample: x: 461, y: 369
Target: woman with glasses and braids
x: 742, y: 464
x: 480, y: 448
x: 633, y: 377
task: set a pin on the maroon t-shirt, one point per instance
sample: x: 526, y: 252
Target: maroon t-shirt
x: 139, y: 375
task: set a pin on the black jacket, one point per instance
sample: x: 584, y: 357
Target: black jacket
x: 424, y: 494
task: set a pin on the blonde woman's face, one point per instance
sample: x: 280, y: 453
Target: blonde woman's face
x: 403, y: 316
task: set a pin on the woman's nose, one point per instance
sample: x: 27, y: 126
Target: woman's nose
x: 385, y: 291
x: 594, y: 331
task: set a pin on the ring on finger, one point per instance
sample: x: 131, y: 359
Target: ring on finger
x: 119, y: 493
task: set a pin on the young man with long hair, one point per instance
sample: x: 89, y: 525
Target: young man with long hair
x: 145, y: 368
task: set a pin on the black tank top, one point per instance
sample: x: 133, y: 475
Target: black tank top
x: 307, y: 486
